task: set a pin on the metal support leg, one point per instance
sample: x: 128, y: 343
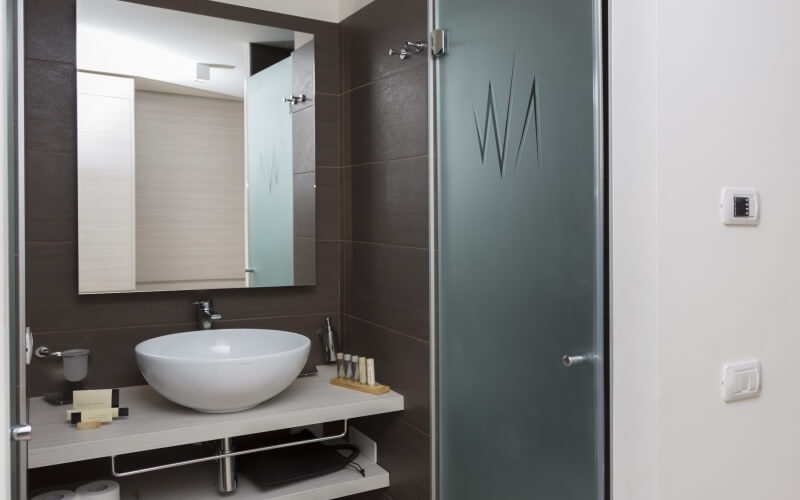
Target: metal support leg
x: 227, y: 467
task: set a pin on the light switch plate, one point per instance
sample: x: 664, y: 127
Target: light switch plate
x: 740, y: 207
x: 741, y: 381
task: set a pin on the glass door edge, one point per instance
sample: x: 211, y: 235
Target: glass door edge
x: 433, y: 211
x: 601, y: 291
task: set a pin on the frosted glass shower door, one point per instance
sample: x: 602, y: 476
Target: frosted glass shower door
x: 270, y: 206
x: 520, y: 251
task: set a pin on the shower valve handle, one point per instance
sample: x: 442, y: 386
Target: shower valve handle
x: 403, y: 53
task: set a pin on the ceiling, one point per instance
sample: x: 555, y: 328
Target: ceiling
x: 162, y: 45
x: 332, y: 11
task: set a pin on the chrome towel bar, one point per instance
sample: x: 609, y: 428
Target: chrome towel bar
x: 221, y: 456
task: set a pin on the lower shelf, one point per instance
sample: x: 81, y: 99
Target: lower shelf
x: 198, y: 482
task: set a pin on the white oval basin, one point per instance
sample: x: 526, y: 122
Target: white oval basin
x: 222, y: 371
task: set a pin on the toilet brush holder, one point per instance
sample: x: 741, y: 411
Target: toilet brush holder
x: 75, y: 361
x: 76, y: 364
x: 76, y: 367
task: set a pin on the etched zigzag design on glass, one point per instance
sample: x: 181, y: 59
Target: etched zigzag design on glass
x: 531, y: 116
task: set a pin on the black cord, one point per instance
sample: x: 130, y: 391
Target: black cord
x: 358, y: 468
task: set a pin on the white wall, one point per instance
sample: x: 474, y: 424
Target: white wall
x: 633, y: 116
x: 718, y: 109
x: 332, y: 11
x: 325, y: 10
x: 349, y: 7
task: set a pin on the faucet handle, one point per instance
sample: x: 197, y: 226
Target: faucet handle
x: 204, y: 305
x: 206, y: 314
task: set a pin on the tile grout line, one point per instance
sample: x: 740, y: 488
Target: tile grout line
x: 155, y: 325
x: 390, y: 245
x: 412, y: 426
x: 384, y: 327
x: 60, y: 151
x: 38, y: 59
x: 74, y: 241
x: 51, y: 242
x: 382, y: 78
x: 382, y: 162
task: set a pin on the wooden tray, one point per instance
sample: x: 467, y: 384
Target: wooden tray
x: 358, y: 386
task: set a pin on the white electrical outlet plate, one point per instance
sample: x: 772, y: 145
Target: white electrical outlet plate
x: 740, y: 206
x: 741, y: 381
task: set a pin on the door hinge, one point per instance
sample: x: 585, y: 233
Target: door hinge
x: 438, y: 42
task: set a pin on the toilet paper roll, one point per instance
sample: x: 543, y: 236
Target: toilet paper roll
x: 57, y: 495
x: 99, y: 490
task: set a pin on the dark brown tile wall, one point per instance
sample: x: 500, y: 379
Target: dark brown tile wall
x: 385, y: 216
x: 111, y: 325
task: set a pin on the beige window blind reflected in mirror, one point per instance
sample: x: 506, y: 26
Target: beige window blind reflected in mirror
x: 196, y: 155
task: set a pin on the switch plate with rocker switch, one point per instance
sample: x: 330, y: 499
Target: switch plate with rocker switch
x: 741, y: 381
x: 740, y: 206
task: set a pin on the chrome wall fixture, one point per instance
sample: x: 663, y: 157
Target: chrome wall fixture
x: 43, y: 352
x: 75, y: 361
x: 206, y: 315
x: 296, y: 99
x: 403, y: 53
x: 408, y: 49
x: 418, y: 46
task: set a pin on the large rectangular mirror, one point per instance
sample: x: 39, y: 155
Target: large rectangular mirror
x: 196, y: 151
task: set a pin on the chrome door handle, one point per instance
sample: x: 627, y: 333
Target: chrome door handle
x: 21, y: 432
x: 569, y: 361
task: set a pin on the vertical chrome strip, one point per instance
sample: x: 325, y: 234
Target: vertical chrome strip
x: 599, y: 159
x: 20, y: 243
x: 432, y: 238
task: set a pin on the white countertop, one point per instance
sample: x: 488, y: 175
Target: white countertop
x: 155, y: 422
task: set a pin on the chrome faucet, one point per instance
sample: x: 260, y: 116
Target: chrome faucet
x: 205, y: 314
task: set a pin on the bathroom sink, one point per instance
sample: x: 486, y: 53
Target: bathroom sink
x: 222, y: 371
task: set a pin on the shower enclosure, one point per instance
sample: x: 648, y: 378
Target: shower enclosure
x: 520, y: 261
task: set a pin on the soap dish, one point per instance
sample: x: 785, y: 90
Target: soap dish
x: 358, y: 386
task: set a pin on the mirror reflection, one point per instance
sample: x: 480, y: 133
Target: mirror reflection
x: 195, y: 151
